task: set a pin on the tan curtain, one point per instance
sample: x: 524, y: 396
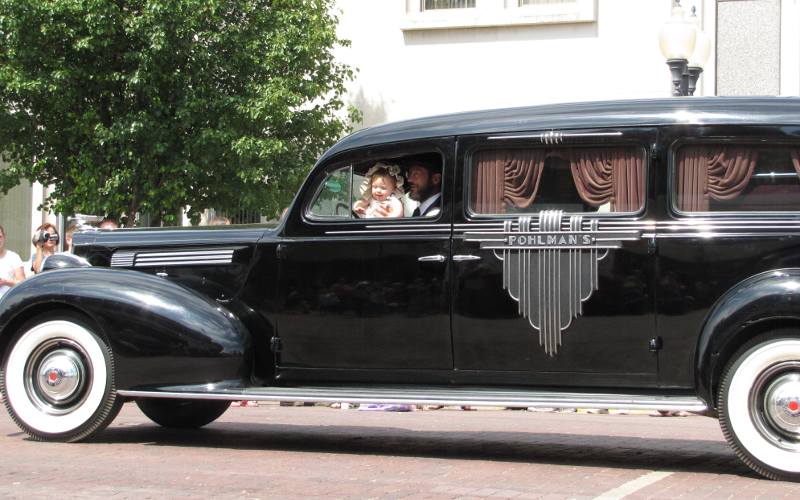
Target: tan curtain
x: 796, y: 159
x: 506, y: 177
x: 609, y: 175
x: 719, y: 173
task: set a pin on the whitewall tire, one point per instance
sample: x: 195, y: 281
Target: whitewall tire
x: 759, y: 406
x: 58, y: 380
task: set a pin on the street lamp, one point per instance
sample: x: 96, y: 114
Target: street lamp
x: 686, y: 48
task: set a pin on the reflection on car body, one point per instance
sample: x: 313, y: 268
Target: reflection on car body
x: 632, y: 254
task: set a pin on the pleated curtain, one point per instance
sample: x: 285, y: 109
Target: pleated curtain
x: 504, y: 178
x: 714, y: 172
x: 612, y: 175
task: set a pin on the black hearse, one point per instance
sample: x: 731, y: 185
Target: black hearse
x: 635, y: 254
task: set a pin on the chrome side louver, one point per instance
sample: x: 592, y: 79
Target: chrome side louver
x: 217, y: 256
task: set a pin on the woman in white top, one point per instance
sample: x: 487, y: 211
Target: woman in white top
x: 10, y: 266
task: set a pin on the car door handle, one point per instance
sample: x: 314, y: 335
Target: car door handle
x: 432, y: 258
x: 464, y: 258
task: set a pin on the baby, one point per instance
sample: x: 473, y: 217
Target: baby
x: 381, y: 191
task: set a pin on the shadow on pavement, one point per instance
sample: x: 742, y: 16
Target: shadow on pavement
x: 685, y: 455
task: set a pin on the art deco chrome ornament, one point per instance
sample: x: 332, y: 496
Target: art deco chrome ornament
x: 550, y: 267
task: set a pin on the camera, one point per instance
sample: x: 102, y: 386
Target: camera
x: 41, y: 237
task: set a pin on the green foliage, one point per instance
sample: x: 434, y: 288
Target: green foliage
x: 147, y: 106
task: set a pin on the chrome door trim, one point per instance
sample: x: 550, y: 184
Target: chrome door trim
x: 430, y: 396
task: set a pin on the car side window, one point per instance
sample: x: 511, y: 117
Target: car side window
x: 575, y: 180
x: 334, y: 195
x: 737, y: 178
x: 383, y: 189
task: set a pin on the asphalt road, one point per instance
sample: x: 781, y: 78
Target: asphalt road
x: 295, y: 452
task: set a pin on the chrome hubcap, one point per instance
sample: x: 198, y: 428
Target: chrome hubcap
x: 56, y: 376
x: 782, y: 403
x: 60, y: 375
x: 775, y: 405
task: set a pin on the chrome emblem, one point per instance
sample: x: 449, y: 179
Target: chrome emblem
x: 54, y: 377
x: 550, y: 268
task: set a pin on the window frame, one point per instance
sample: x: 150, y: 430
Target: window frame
x: 672, y: 172
x: 512, y: 143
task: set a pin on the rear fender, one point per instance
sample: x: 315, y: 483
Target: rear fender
x: 758, y: 304
x: 160, y: 332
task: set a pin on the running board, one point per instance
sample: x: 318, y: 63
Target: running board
x: 457, y: 396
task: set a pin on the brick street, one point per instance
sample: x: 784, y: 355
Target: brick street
x: 295, y: 452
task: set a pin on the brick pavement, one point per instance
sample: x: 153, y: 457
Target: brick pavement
x: 273, y: 452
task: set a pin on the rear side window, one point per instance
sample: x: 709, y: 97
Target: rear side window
x: 737, y: 178
x: 575, y: 180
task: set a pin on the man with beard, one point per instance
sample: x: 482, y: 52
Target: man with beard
x: 424, y: 186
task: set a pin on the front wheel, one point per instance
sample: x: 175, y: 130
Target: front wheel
x: 58, y: 380
x: 759, y: 404
x: 182, y: 413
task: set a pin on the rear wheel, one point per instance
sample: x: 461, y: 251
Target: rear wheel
x: 759, y: 406
x: 58, y: 380
x: 182, y: 413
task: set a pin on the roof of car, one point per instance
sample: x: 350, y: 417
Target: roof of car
x: 583, y: 115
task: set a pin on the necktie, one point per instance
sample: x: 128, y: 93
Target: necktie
x: 416, y: 212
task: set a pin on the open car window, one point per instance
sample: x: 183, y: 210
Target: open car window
x: 575, y: 180
x: 345, y: 192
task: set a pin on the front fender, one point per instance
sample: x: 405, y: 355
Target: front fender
x: 160, y: 332
x: 765, y: 298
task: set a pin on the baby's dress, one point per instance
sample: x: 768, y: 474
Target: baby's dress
x: 391, y: 202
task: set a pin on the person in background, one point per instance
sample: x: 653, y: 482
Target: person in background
x: 68, y: 238
x: 45, y: 240
x: 219, y: 220
x: 108, y: 223
x: 11, y: 271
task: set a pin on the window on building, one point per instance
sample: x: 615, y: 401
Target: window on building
x: 575, y: 180
x: 523, y: 3
x: 446, y: 14
x: 737, y: 178
x: 446, y: 4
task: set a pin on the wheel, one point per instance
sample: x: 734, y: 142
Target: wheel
x: 759, y: 406
x: 58, y: 380
x: 182, y: 413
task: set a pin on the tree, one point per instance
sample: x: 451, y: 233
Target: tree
x: 147, y: 106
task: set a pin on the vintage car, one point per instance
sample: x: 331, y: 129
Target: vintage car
x: 633, y: 254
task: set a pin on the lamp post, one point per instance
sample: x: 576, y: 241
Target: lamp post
x: 686, y: 48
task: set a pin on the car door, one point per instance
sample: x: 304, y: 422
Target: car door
x: 364, y: 298
x: 553, y: 260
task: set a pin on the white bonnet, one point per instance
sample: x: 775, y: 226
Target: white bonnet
x: 393, y: 170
